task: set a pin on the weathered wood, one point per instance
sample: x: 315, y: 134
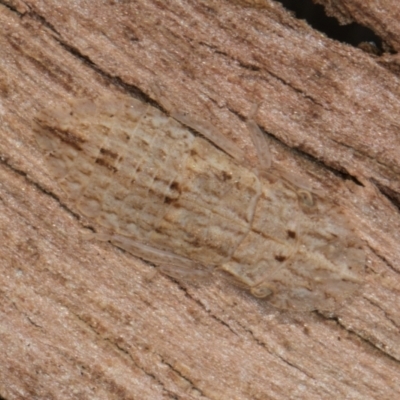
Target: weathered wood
x: 81, y: 319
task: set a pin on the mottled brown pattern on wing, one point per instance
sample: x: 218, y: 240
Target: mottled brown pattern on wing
x: 161, y: 192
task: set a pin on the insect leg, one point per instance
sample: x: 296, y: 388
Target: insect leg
x: 261, y: 146
x: 203, y: 127
x: 259, y: 141
x: 212, y: 134
x: 168, y: 263
x: 265, y: 162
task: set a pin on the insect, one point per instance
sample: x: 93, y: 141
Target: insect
x: 191, y: 204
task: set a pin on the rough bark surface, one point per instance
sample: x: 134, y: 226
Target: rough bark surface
x: 80, y: 318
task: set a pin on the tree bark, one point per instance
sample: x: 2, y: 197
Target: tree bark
x: 81, y: 318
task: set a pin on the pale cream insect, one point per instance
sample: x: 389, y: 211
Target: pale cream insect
x: 175, y: 199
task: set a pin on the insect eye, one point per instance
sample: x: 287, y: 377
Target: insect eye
x: 261, y: 291
x: 305, y: 198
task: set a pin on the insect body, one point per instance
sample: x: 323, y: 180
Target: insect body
x: 175, y: 199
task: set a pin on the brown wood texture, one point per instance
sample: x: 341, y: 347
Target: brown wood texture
x: 80, y: 318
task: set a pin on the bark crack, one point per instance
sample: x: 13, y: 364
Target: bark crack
x: 353, y: 34
x: 361, y: 337
x: 125, y: 352
x: 4, y: 161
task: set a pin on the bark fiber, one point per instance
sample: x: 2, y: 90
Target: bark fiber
x: 80, y: 318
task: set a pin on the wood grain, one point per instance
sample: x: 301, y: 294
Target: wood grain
x: 82, y: 319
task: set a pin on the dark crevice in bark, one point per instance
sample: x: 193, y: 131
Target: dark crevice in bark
x: 353, y: 34
x: 11, y: 7
x: 44, y: 22
x: 115, y: 80
x: 390, y: 194
x: 179, y: 373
